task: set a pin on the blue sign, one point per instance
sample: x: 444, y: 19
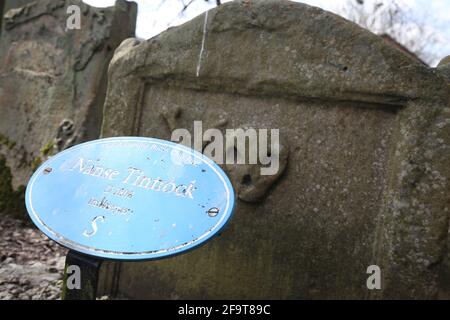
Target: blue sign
x: 130, y: 198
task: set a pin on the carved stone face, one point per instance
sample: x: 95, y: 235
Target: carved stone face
x: 250, y: 183
x: 249, y: 180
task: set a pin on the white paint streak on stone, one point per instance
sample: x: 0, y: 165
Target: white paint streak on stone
x: 203, y: 44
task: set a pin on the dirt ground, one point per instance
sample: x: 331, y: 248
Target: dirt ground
x: 31, y: 265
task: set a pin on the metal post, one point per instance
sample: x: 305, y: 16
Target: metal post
x: 88, y: 268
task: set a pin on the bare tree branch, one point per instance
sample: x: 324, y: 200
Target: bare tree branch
x: 395, y: 19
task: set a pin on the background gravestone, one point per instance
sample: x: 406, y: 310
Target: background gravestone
x: 365, y: 131
x: 2, y: 4
x: 52, y: 84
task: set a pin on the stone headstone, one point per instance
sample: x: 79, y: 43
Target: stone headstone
x: 2, y: 5
x: 444, y: 69
x: 364, y: 132
x: 52, y: 83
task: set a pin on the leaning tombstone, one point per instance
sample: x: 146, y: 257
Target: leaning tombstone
x: 363, y: 173
x: 52, y: 83
x: 126, y: 199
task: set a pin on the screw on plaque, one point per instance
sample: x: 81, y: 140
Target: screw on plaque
x: 213, y: 212
x: 47, y: 170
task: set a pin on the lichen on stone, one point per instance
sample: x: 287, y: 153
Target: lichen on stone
x: 47, y: 150
x: 37, y: 161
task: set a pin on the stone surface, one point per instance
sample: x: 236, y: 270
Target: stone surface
x: 444, y: 69
x: 52, y: 84
x: 6, y: 5
x: 367, y: 129
x: 11, y: 4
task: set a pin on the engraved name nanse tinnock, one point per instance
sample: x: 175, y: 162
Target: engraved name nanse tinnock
x: 130, y: 198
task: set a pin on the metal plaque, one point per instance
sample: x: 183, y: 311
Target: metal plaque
x: 130, y: 198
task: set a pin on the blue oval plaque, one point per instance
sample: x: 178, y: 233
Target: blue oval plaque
x: 129, y: 198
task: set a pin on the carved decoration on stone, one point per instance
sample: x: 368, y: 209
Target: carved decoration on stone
x: 171, y: 115
x: 30, y: 11
x: 66, y: 136
x: 249, y: 183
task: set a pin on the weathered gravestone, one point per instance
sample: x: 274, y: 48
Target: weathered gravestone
x: 444, y: 69
x: 52, y: 83
x: 364, y: 167
x: 2, y: 5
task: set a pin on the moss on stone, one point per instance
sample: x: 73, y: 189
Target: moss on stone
x: 64, y: 287
x: 47, y: 150
x: 35, y: 163
x: 12, y: 201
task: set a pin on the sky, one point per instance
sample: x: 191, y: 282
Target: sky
x: 155, y: 16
